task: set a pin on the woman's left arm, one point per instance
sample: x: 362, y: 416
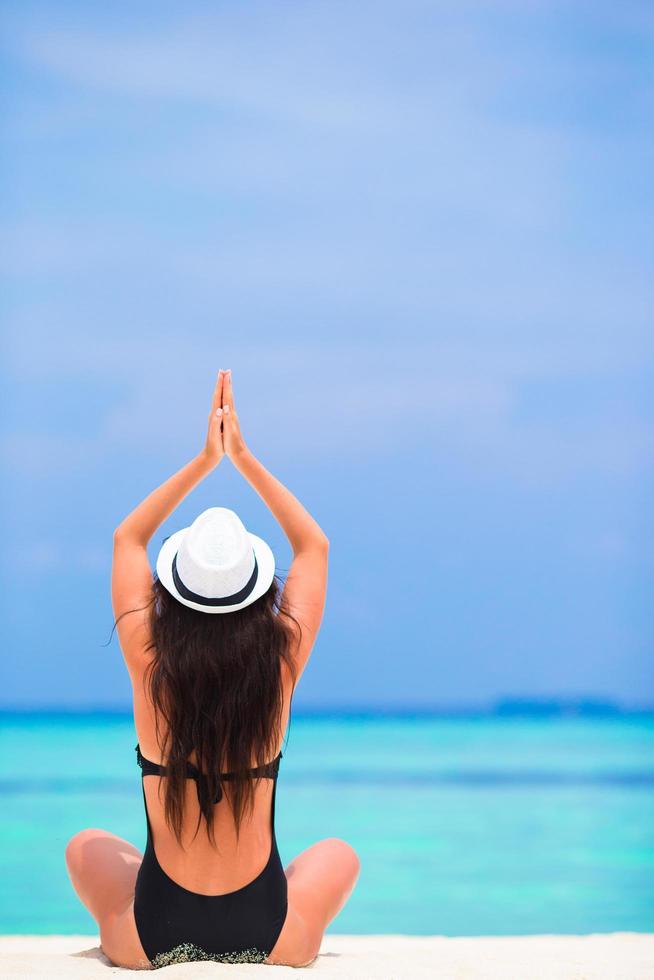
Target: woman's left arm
x: 131, y: 576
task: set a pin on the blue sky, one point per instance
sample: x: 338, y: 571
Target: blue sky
x: 420, y: 234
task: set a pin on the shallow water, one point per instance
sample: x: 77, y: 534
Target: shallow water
x: 464, y: 826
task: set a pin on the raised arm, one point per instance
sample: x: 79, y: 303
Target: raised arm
x: 306, y: 583
x: 131, y: 576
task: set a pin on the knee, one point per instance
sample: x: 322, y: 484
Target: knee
x: 76, y: 844
x: 347, y: 856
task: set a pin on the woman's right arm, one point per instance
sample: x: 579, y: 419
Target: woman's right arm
x: 306, y: 583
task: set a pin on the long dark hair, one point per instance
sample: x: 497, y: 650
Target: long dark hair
x: 215, y: 683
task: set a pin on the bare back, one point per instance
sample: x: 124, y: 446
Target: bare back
x: 201, y: 867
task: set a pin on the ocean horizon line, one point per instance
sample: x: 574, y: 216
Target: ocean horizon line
x: 507, y: 707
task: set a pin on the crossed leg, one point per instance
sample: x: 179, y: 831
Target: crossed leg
x: 320, y: 881
x: 103, y: 869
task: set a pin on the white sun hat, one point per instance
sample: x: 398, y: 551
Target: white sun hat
x: 215, y: 565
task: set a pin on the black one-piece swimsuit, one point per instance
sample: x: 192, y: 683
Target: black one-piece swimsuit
x: 176, y: 925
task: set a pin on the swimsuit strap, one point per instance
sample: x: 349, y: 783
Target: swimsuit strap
x: 148, y: 768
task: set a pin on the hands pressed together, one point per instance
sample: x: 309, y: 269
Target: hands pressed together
x: 224, y: 434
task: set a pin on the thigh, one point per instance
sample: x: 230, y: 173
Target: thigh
x: 103, y: 870
x: 120, y: 940
x: 320, y: 881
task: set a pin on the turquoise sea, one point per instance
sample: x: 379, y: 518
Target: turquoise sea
x: 464, y: 825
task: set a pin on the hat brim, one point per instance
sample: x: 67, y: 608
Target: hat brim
x: 265, y: 575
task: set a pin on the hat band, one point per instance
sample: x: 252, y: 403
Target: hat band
x: 228, y: 600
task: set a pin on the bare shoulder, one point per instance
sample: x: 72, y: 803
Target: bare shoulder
x: 304, y: 597
x: 131, y: 596
x: 135, y: 636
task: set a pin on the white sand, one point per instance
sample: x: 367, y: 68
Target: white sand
x: 616, y: 956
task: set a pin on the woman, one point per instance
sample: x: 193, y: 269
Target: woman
x: 214, y: 648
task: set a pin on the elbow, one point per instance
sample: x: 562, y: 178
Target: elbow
x: 322, y: 542
x: 317, y: 543
x: 119, y: 534
x: 124, y: 535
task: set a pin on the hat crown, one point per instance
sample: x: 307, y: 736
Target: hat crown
x: 216, y: 558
